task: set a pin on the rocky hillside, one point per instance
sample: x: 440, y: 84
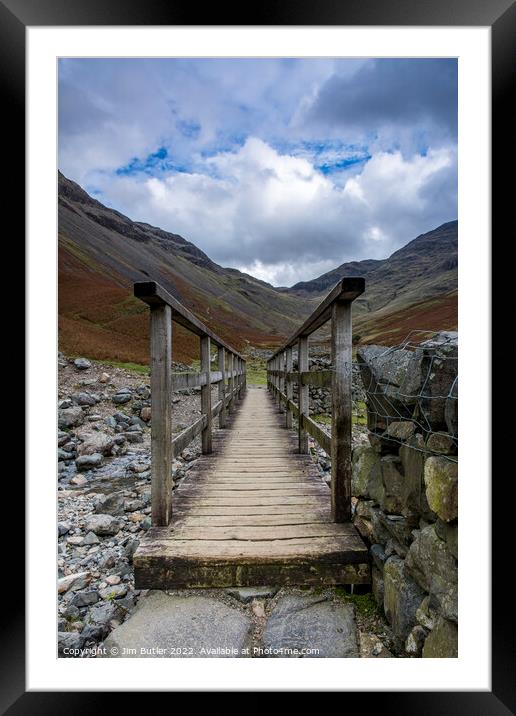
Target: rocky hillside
x: 415, y: 288
x: 102, y: 253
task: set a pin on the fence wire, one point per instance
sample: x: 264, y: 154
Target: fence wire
x: 431, y: 366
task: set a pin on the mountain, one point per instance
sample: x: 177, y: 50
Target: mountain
x: 102, y: 253
x: 415, y: 288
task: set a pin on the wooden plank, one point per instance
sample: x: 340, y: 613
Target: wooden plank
x: 347, y: 289
x: 341, y: 345
x: 205, y: 492
x: 194, y: 508
x: 251, y: 534
x: 161, y: 411
x: 152, y: 571
x: 318, y: 434
x: 253, y: 520
x: 206, y: 395
x: 184, y: 438
x: 154, y: 294
x: 303, y: 393
x: 299, y: 549
x: 184, y: 381
x: 249, y: 501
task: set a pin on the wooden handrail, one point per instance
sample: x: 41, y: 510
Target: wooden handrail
x: 165, y: 309
x: 153, y: 294
x: 347, y: 289
x: 335, y: 307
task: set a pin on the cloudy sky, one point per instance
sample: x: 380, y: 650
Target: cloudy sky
x: 283, y: 168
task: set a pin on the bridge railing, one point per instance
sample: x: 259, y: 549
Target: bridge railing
x: 336, y: 307
x: 230, y: 377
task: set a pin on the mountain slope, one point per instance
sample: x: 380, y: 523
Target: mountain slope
x: 421, y: 274
x: 102, y: 253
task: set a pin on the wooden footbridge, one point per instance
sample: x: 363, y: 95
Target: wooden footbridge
x: 254, y: 509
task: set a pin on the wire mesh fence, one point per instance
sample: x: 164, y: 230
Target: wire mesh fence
x: 412, y: 389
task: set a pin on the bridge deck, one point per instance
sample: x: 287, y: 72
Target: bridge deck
x: 253, y: 512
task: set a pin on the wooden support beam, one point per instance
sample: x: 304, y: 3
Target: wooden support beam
x: 161, y: 411
x: 206, y: 394
x: 231, y: 382
x: 289, y: 388
x: 341, y: 347
x: 281, y: 379
x: 303, y: 393
x: 221, y: 354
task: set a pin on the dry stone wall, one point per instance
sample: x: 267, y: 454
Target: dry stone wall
x: 405, y: 484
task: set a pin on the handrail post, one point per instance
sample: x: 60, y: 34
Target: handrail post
x: 341, y: 345
x: 281, y: 381
x: 161, y: 413
x: 231, y: 382
x: 302, y: 392
x: 221, y: 354
x: 206, y: 393
x: 277, y: 384
x: 289, y: 388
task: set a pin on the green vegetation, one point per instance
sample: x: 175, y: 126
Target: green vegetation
x: 256, y: 371
x: 359, y: 416
x: 322, y: 418
x: 131, y: 367
x: 365, y: 604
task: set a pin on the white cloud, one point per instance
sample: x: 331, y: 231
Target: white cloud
x: 278, y: 218
x: 243, y: 138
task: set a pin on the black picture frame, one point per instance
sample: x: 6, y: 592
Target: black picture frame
x: 500, y: 15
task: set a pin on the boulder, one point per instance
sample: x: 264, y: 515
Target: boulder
x: 451, y: 410
x: 441, y: 443
x: 82, y: 363
x: 400, y: 429
x: 171, y: 626
x: 95, y: 443
x: 363, y: 461
x: 402, y: 597
x: 85, y: 599
x: 87, y: 462
x: 439, y: 368
x: 73, y: 582
x: 415, y: 641
x: 426, y: 613
x: 391, y: 379
x: 412, y: 456
x: 392, y: 500
x: 430, y: 562
x: 310, y: 621
x: 145, y: 413
x: 70, y: 417
x: 442, y: 642
x: 377, y: 585
x: 103, y: 524
x: 84, y: 399
x: 121, y: 398
x: 69, y: 643
x: 450, y: 534
x: 441, y: 486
